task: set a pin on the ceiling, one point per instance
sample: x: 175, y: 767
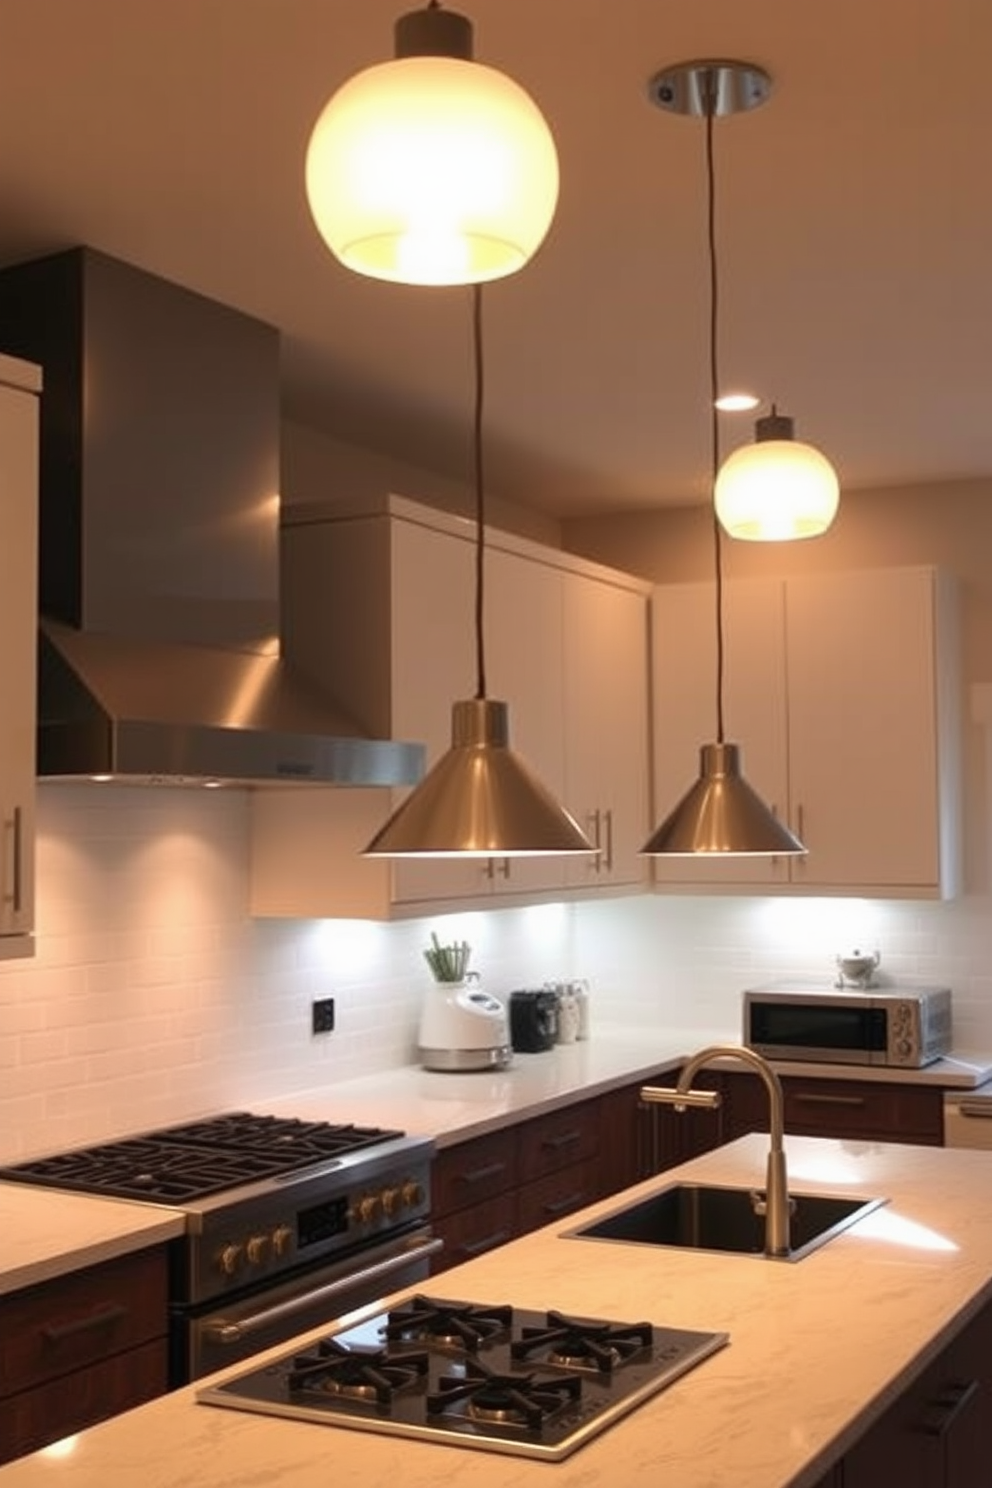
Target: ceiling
x: 855, y: 226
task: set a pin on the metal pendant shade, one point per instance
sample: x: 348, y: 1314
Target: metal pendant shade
x: 722, y: 814
x: 480, y: 800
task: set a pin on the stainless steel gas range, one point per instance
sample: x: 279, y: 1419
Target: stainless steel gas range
x: 494, y: 1378
x: 289, y: 1224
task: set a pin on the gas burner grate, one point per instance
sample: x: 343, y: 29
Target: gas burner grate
x: 145, y: 1168
x: 578, y: 1343
x: 507, y: 1400
x: 355, y: 1375
x: 464, y: 1325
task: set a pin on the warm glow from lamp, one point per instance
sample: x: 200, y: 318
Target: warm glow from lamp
x: 777, y: 489
x: 432, y: 169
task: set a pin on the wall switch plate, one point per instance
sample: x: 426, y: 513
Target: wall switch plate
x: 322, y: 1011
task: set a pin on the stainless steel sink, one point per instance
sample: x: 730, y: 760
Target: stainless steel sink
x: 694, y: 1216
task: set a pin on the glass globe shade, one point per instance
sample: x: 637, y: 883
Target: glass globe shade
x: 432, y: 170
x: 776, y: 490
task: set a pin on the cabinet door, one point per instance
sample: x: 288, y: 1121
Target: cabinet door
x: 18, y: 596
x: 606, y: 727
x: 684, y: 675
x: 433, y: 652
x: 862, y: 728
x: 523, y: 632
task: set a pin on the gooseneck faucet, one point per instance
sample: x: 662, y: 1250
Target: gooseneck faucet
x: 776, y: 1205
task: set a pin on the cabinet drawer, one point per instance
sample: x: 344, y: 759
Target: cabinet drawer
x: 862, y: 1109
x: 60, y: 1326
x: 559, y: 1140
x: 558, y: 1194
x: 472, y: 1231
x: 473, y: 1171
x: 57, y: 1408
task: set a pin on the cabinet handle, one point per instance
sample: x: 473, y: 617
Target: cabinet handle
x: 566, y: 1205
x: 497, y: 867
x: 608, y: 817
x: 563, y: 1139
x: 18, y: 858
x: 482, y: 1175
x: 828, y: 1100
x: 800, y: 826
x: 488, y: 1242
x: 594, y: 818
x: 940, y: 1414
x: 105, y: 1318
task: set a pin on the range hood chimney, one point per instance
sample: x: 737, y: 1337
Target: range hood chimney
x: 159, y: 654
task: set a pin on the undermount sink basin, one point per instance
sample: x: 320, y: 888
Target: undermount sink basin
x: 696, y: 1217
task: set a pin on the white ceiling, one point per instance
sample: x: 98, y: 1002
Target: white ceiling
x: 855, y: 225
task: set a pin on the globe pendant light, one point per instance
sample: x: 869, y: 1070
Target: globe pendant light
x: 776, y: 490
x: 432, y: 168
x: 720, y: 814
x: 480, y: 800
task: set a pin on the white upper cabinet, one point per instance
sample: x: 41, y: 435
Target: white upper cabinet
x: 379, y: 608
x: 841, y: 690
x: 20, y: 385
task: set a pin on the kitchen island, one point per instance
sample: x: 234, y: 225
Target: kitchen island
x: 818, y: 1349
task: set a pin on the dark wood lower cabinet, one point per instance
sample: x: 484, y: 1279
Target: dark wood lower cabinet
x: 938, y: 1434
x: 81, y: 1348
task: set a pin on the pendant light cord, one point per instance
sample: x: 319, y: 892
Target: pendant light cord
x: 710, y: 101
x: 480, y: 508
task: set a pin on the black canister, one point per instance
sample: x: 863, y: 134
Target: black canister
x: 533, y: 1020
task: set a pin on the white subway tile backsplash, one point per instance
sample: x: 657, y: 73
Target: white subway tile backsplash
x: 154, y: 996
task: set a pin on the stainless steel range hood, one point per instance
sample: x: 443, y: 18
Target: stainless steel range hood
x: 159, y: 656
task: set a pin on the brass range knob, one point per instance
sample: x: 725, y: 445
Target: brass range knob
x: 413, y: 1193
x: 257, y: 1249
x: 392, y: 1201
x: 366, y: 1208
x: 230, y: 1257
x: 282, y: 1239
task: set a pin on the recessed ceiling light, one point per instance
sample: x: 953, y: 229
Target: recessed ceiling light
x: 737, y: 402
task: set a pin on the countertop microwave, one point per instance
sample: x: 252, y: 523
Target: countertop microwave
x: 903, y: 1027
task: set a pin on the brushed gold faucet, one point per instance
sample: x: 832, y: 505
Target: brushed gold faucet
x: 775, y: 1205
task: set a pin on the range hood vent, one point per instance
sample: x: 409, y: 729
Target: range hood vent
x: 159, y: 653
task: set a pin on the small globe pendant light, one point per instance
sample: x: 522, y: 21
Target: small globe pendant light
x: 777, y: 489
x: 480, y: 800
x: 432, y: 168
x: 720, y: 814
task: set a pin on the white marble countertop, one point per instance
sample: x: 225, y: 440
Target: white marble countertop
x: 817, y: 1347
x: 453, y: 1107
x: 46, y: 1234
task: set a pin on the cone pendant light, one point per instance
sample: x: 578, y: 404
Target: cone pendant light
x: 721, y: 814
x: 480, y: 799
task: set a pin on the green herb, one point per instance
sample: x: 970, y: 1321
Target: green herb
x: 448, y: 963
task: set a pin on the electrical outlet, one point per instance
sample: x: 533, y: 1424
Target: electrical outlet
x: 323, y: 1015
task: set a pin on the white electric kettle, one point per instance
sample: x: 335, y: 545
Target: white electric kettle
x: 463, y: 1028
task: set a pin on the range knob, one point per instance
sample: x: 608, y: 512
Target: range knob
x: 366, y: 1209
x: 392, y: 1201
x: 282, y: 1239
x: 413, y: 1193
x: 230, y: 1257
x: 257, y: 1249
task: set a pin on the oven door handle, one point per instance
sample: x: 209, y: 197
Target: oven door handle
x: 226, y: 1332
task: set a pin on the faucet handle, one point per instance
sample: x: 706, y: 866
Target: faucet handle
x: 668, y: 1095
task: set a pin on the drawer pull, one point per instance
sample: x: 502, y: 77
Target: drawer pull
x: 563, y: 1139
x: 58, y: 1332
x: 829, y: 1100
x: 483, y: 1175
x: 940, y: 1414
x: 565, y: 1205
x: 488, y: 1242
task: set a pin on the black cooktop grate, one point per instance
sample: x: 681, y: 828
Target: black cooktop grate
x: 199, y: 1158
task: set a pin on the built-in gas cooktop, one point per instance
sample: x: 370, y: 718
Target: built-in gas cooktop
x: 496, y: 1378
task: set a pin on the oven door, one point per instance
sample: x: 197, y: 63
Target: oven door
x: 210, y: 1337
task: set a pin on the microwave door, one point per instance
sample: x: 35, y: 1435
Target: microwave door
x: 806, y: 1030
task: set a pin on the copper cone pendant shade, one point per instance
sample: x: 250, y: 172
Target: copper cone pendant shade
x: 479, y: 800
x: 721, y: 814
